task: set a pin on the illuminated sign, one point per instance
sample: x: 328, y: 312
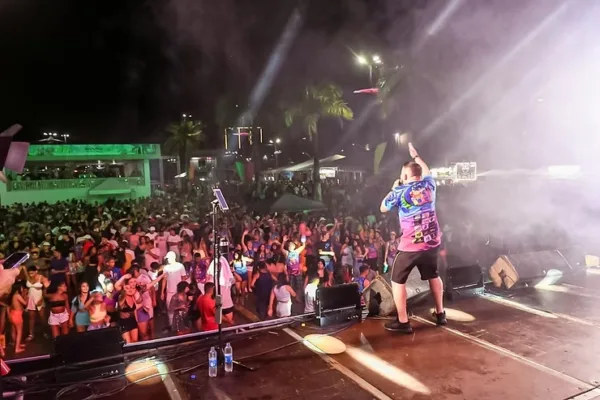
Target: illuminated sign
x: 327, y: 172
x: 442, y: 173
x: 93, y: 151
x: 466, y: 171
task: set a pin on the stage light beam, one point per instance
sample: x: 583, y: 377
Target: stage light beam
x: 387, y: 370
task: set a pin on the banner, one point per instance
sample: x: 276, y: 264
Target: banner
x: 379, y: 150
x: 249, y: 171
x: 191, y: 172
x: 239, y: 167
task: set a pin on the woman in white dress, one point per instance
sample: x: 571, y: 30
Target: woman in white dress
x: 281, y: 294
x: 36, y: 283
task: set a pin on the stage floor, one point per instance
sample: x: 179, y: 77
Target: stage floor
x: 535, y: 344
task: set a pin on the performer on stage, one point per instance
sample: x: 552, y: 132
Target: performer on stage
x: 414, y: 195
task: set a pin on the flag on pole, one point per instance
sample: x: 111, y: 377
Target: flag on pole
x: 239, y: 167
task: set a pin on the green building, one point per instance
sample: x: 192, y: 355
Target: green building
x: 91, y: 172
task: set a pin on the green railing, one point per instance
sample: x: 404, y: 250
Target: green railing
x: 67, y: 183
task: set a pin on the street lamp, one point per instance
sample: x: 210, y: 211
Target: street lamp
x: 374, y: 60
x: 277, y: 140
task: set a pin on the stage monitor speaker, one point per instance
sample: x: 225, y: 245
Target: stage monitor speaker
x: 338, y: 304
x: 464, y: 280
x: 99, y: 353
x: 378, y: 295
x: 530, y: 268
x: 337, y: 297
x: 87, y: 346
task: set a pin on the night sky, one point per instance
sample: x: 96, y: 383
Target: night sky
x: 120, y: 71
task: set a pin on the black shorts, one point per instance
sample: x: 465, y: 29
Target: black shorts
x: 425, y: 261
x: 228, y: 310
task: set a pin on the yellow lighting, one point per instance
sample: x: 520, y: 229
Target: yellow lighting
x: 387, y: 370
x: 140, y: 370
x: 593, y: 271
x: 324, y: 344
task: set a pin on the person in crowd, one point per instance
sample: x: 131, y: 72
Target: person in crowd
x: 173, y: 242
x: 240, y: 272
x: 58, y: 303
x: 176, y: 273
x: 92, y: 267
x: 129, y: 301
x: 80, y: 317
x: 310, y: 293
x: 391, y: 249
x: 325, y: 251
x: 58, y: 268
x: 199, y: 268
x: 140, y: 250
x: 281, y: 298
x: 225, y: 281
x: 145, y: 313
x: 262, y: 285
x: 110, y: 299
x: 362, y: 280
x: 360, y: 253
x: 96, y: 307
x: 151, y: 255
x: 36, y: 283
x: 372, y: 253
x: 207, y: 309
x: 178, y: 306
x: 187, y: 247
x: 347, y: 256
x: 294, y: 269
x: 18, y: 302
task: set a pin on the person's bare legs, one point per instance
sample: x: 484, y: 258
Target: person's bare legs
x: 437, y: 291
x: 399, y: 293
x: 19, y: 348
x: 32, y: 315
x: 143, y: 330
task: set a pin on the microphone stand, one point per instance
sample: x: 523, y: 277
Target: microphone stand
x: 220, y: 348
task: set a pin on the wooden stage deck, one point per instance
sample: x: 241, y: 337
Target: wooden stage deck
x: 536, y: 344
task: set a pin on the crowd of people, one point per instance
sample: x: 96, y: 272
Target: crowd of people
x: 146, y: 267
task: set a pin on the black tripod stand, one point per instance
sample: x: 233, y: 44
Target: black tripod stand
x: 219, y: 244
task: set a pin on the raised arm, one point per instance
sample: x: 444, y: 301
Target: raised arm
x: 119, y: 283
x: 418, y: 160
x: 149, y: 285
x: 244, y: 247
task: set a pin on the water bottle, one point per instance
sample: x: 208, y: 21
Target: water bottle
x: 228, y: 352
x: 212, y: 362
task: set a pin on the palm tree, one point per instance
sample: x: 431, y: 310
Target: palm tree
x: 319, y: 101
x: 184, y: 136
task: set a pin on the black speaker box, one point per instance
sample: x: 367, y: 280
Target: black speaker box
x: 91, y: 354
x: 463, y: 280
x: 88, y: 346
